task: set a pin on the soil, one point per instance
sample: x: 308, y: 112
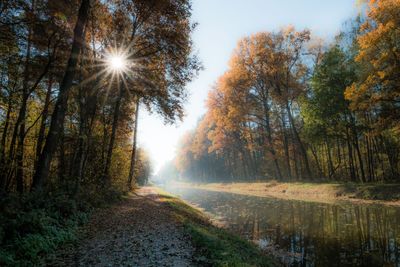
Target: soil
x: 139, y: 231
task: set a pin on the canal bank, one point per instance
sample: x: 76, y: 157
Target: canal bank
x: 371, y: 193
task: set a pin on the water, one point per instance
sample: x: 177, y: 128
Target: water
x: 308, y: 234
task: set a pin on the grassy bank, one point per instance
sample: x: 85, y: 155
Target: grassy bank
x: 318, y: 192
x: 214, y: 246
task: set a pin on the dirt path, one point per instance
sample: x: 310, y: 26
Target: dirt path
x: 137, y: 232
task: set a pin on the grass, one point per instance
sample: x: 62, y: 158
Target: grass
x: 215, y: 246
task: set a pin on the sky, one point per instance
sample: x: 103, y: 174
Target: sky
x: 221, y: 23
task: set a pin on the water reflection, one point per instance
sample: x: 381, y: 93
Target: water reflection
x: 309, y: 234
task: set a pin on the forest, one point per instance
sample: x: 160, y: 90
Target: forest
x: 294, y: 107
x: 67, y: 114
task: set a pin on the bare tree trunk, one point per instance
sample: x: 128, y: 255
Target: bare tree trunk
x: 57, y: 118
x: 133, y: 155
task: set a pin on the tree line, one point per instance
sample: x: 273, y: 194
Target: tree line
x: 291, y: 107
x: 68, y: 120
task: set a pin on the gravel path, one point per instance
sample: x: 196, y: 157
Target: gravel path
x: 137, y: 232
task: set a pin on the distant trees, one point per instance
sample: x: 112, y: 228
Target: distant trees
x: 288, y: 109
x: 143, y: 168
x: 66, y: 119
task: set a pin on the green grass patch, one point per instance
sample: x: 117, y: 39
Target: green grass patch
x: 215, y: 246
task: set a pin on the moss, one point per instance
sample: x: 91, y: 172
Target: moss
x: 215, y: 246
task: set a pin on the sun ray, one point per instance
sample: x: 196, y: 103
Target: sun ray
x: 92, y: 77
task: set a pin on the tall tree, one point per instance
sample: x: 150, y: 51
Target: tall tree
x: 57, y: 118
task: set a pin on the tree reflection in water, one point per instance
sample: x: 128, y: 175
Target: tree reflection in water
x: 309, y: 234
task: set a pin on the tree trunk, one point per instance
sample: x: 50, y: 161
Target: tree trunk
x: 278, y: 172
x: 330, y: 163
x: 357, y: 147
x: 300, y: 143
x: 314, y: 152
x: 92, y: 114
x: 20, y: 150
x: 57, y: 118
x: 42, y: 128
x: 350, y: 153
x: 106, y: 173
x: 133, y: 155
x: 286, y: 146
x: 77, y: 159
x: 3, y: 176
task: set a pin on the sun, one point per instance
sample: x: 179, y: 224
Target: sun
x: 116, y: 62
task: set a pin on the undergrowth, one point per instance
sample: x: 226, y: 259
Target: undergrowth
x: 35, y: 224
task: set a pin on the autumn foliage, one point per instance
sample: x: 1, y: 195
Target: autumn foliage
x: 291, y: 108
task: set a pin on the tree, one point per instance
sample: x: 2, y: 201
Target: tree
x: 377, y: 90
x: 134, y: 145
x: 57, y: 118
x: 326, y: 112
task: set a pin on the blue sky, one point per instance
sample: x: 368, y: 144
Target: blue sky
x: 221, y: 24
